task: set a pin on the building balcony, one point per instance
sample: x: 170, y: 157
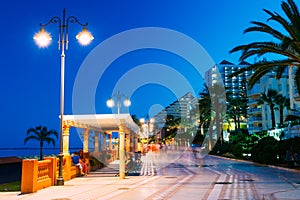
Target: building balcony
x: 254, y: 111
x: 254, y: 119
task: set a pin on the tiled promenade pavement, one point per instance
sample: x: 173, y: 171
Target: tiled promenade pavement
x: 167, y: 176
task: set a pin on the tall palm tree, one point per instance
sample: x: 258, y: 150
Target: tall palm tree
x: 218, y: 98
x: 204, y: 109
x: 205, y: 115
x: 170, y: 127
x: 282, y: 102
x: 269, y: 98
x: 41, y: 134
x: 234, y: 112
x: 285, y: 44
x: 212, y: 107
x: 236, y: 108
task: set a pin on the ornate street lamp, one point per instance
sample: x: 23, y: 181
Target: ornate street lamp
x: 43, y: 39
x: 147, y: 127
x: 111, y: 103
x: 121, y: 146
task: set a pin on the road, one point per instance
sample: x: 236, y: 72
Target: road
x: 178, y: 176
x: 216, y: 178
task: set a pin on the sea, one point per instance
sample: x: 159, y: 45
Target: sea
x: 23, y: 152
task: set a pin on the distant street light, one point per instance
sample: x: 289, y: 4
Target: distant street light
x: 111, y: 103
x: 43, y: 39
x: 147, y: 127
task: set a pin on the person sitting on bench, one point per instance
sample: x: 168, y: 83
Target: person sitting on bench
x: 78, y: 162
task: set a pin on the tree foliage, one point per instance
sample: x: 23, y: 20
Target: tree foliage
x: 284, y: 44
x: 265, y: 151
x: 270, y: 98
x: 42, y: 135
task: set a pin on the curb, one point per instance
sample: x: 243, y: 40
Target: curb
x: 258, y: 164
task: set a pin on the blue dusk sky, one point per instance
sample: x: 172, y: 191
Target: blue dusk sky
x: 30, y: 76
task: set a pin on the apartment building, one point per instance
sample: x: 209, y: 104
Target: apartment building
x: 180, y: 108
x: 259, y: 116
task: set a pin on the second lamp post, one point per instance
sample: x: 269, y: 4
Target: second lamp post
x: 111, y: 103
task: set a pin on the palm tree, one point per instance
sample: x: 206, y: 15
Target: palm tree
x: 236, y: 108
x: 212, y: 107
x: 218, y: 97
x: 204, y: 109
x: 205, y: 116
x: 282, y: 102
x: 170, y: 127
x: 41, y: 134
x: 269, y: 98
x: 286, y: 48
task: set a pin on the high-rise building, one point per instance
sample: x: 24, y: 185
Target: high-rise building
x: 180, y: 108
x: 236, y: 85
x: 259, y: 116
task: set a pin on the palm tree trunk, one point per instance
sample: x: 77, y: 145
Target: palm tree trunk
x: 238, y: 123
x: 210, y: 132
x: 272, y: 115
x: 235, y: 124
x: 41, y: 150
x: 218, y: 124
x: 281, y: 115
x: 202, y: 129
x: 221, y: 133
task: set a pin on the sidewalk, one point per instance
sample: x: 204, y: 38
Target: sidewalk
x: 101, y: 184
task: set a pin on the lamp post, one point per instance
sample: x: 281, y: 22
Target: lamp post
x: 121, y: 145
x: 43, y: 39
x: 111, y: 103
x: 147, y: 126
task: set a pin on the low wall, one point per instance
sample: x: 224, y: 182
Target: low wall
x: 37, y: 175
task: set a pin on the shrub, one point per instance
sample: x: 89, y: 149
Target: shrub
x: 237, y: 150
x: 220, y: 149
x: 265, y: 151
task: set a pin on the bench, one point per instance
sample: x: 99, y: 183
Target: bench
x: 75, y: 171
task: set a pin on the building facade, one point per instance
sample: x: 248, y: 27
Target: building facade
x: 236, y: 86
x: 180, y: 108
x: 259, y: 116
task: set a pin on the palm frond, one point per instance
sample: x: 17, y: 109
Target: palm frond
x: 51, y: 132
x: 279, y: 19
x: 31, y: 137
x: 50, y: 140
x: 287, y: 49
x: 291, y: 11
x: 261, y: 48
x: 262, y: 27
x: 32, y: 130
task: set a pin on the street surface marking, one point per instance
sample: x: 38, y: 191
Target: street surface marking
x: 216, y: 191
x: 118, y: 192
x: 171, y: 189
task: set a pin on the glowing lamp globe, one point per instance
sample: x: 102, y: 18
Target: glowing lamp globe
x: 110, y: 103
x: 84, y: 37
x: 42, y: 38
x: 127, y: 102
